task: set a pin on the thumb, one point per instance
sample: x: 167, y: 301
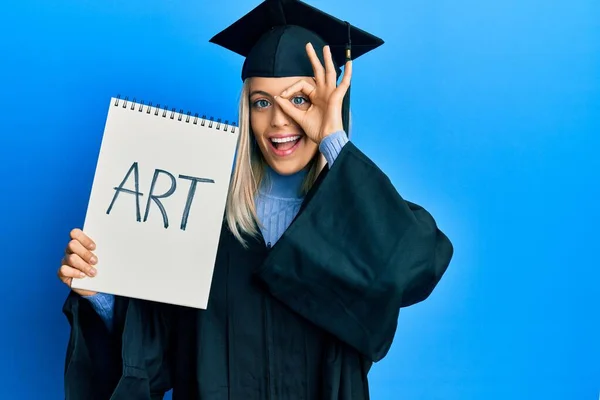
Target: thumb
x: 288, y: 108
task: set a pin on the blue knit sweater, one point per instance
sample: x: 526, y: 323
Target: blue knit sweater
x: 277, y: 203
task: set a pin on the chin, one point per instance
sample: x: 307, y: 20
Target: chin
x: 287, y: 168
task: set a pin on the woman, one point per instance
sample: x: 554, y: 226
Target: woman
x: 314, y: 261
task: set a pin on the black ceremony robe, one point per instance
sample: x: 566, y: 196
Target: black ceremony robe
x: 302, y: 320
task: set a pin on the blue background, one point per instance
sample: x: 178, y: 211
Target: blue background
x: 485, y: 112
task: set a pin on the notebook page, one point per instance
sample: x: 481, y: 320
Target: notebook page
x: 157, y: 203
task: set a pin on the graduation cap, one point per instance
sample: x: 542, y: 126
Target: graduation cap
x: 273, y: 36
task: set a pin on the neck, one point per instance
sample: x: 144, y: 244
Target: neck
x: 283, y: 186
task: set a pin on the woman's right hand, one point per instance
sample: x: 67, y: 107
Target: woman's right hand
x: 79, y: 260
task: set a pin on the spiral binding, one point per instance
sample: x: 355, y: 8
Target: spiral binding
x: 224, y: 126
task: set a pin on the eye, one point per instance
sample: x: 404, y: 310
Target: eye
x: 261, y: 103
x: 299, y: 101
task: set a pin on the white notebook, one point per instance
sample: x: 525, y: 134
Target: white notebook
x: 161, y: 243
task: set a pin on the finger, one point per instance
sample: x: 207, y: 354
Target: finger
x: 318, y: 69
x: 75, y: 247
x: 288, y: 108
x: 347, y: 75
x: 74, y: 261
x: 330, y: 74
x: 66, y: 273
x: 302, y: 86
x: 340, y: 91
x: 78, y: 234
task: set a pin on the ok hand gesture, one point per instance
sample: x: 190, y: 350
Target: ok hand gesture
x: 324, y: 115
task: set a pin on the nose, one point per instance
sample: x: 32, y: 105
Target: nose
x: 278, y: 117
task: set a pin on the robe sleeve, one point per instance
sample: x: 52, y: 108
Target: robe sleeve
x: 356, y: 253
x: 131, y: 361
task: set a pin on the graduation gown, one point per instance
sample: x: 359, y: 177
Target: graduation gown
x: 304, y: 319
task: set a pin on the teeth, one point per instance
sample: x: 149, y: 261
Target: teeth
x: 284, y: 140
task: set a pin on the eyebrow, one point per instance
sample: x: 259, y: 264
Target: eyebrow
x: 262, y: 92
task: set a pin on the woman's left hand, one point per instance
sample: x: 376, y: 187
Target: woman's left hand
x: 324, y: 115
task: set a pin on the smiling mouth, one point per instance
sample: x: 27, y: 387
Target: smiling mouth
x: 285, y: 146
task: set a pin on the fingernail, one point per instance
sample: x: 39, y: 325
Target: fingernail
x: 92, y: 246
x: 93, y: 260
x: 93, y: 271
x: 81, y: 275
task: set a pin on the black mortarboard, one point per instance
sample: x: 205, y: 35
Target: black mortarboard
x: 273, y: 37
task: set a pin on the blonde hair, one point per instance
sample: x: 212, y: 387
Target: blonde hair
x: 248, y: 173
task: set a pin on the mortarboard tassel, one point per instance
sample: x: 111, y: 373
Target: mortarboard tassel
x: 346, y: 101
